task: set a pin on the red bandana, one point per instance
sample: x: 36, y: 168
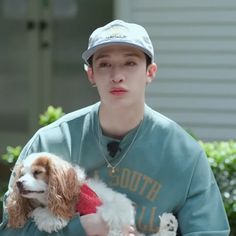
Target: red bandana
x: 88, y: 201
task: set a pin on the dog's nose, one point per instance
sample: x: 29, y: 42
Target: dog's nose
x: 19, y: 184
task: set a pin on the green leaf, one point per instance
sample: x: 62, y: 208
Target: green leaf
x: 50, y: 115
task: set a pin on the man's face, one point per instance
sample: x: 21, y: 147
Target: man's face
x: 120, y: 74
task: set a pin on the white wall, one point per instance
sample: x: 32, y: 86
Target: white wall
x: 195, y: 47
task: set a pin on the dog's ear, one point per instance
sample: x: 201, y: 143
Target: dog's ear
x: 18, y: 207
x: 63, y: 190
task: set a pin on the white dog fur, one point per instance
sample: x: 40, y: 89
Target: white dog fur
x: 47, y: 188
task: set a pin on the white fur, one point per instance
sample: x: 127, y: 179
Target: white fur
x: 46, y: 221
x: 168, y: 226
x: 117, y: 210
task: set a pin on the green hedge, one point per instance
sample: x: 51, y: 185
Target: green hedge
x: 222, y: 158
x: 221, y: 155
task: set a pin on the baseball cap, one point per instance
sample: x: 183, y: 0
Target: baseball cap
x: 119, y: 32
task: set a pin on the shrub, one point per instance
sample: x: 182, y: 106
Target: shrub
x: 50, y: 115
x: 222, y: 158
x: 11, y: 155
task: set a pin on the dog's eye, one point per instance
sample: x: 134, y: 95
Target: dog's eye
x: 37, y: 172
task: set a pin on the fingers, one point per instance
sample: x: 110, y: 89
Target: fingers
x: 130, y: 230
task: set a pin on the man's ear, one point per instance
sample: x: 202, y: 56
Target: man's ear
x: 151, y: 72
x: 89, y: 71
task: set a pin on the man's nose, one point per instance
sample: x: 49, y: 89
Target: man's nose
x: 117, y: 80
x: 116, y: 75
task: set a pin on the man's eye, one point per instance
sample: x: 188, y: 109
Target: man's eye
x: 104, y: 65
x: 130, y: 63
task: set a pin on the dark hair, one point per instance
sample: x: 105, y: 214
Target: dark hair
x: 90, y: 61
x: 148, y: 60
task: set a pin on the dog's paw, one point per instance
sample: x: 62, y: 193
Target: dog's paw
x: 46, y: 221
x: 168, y: 225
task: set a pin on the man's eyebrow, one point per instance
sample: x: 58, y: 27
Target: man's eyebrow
x: 100, y: 56
x: 128, y: 54
x: 132, y: 54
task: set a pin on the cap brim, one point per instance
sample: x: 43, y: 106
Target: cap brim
x: 89, y: 52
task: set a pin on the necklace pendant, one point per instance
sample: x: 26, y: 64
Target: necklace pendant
x: 113, y: 170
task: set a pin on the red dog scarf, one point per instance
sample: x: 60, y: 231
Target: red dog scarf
x: 88, y: 201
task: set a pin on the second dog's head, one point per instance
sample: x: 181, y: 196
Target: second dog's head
x: 43, y: 179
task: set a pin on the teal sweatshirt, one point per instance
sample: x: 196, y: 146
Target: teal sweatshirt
x: 158, y: 166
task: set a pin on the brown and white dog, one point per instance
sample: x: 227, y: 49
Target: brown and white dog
x: 47, y: 189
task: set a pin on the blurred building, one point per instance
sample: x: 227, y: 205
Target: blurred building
x: 41, y: 43
x: 195, y: 46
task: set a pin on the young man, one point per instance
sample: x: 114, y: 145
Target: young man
x: 134, y: 149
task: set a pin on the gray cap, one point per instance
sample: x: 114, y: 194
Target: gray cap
x: 119, y: 32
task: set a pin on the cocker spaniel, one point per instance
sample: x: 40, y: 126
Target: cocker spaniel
x: 51, y: 191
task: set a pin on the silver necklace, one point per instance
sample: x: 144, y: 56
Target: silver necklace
x: 109, y: 165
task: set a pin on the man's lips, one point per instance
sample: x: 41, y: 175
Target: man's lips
x: 118, y: 91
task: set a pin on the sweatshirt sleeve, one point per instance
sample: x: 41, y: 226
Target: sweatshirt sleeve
x: 74, y: 228
x: 203, y: 211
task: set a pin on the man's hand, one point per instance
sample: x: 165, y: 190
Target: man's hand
x: 94, y: 225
